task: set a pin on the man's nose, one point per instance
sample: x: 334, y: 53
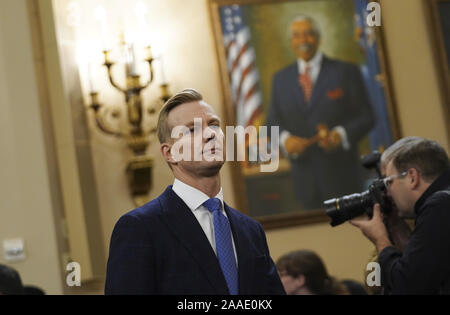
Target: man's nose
x: 302, y: 38
x: 209, y: 134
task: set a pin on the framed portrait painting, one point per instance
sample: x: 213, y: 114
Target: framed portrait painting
x: 439, y: 18
x: 314, y: 74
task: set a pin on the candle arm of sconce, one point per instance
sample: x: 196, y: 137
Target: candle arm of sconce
x: 111, y: 79
x: 104, y: 129
x: 96, y: 107
x: 150, y: 80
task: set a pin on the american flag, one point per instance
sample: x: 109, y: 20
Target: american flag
x: 243, y: 74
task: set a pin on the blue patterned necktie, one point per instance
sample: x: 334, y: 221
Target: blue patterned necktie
x: 224, y: 244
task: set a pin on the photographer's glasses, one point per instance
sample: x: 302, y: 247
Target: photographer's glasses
x: 388, y: 180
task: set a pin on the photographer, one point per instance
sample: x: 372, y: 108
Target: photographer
x: 417, y: 178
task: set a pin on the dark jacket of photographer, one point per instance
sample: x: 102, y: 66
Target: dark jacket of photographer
x: 424, y: 266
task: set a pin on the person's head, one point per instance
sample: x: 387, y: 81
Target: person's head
x: 305, y: 37
x: 303, y: 272
x: 199, y: 154
x: 411, y: 166
x: 10, y: 281
x: 33, y: 290
x: 354, y: 287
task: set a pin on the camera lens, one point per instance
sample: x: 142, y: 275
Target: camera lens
x: 348, y: 207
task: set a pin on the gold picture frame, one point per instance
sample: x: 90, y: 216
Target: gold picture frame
x: 245, y: 179
x: 438, y: 14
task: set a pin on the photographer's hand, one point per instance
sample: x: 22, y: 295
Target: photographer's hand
x: 374, y: 229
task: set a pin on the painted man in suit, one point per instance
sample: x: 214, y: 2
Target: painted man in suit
x: 317, y: 90
x: 188, y: 240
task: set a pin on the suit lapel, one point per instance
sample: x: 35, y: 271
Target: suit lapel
x: 243, y: 246
x: 293, y: 85
x: 180, y: 219
x: 319, y: 88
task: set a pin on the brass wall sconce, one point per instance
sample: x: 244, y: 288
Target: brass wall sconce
x: 137, y: 134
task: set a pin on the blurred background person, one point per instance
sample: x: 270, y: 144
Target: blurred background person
x: 10, y: 281
x: 354, y: 287
x: 33, y: 290
x: 303, y: 272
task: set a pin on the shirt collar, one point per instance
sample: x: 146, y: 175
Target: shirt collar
x: 191, y: 196
x: 316, y: 61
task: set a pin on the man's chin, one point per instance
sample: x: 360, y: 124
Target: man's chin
x: 210, y: 169
x: 306, y: 57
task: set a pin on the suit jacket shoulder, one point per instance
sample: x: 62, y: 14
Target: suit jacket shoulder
x: 288, y: 71
x: 340, y: 65
x: 147, y: 211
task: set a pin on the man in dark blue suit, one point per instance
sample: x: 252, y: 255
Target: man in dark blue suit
x: 188, y: 240
x: 314, y: 91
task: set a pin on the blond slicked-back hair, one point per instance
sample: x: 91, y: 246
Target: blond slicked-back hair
x: 186, y: 96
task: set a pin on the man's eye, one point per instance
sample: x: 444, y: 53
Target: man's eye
x: 188, y: 131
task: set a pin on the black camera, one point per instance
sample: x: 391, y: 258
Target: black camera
x: 348, y: 207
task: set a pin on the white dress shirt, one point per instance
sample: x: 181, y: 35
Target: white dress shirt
x: 194, y: 199
x: 315, y: 64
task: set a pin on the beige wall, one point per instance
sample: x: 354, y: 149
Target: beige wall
x: 413, y: 70
x: 27, y: 207
x: 190, y: 62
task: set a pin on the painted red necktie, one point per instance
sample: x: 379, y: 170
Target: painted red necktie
x: 306, y: 83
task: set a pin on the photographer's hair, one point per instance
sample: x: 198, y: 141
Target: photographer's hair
x: 302, y: 18
x: 309, y: 264
x: 426, y: 156
x: 186, y: 96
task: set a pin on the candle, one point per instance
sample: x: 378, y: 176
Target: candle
x: 127, y: 58
x: 90, y: 77
x: 102, y: 21
x: 133, y: 61
x: 85, y: 62
x: 142, y: 16
x: 163, y: 75
x: 130, y: 59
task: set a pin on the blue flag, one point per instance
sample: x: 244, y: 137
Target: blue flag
x: 381, y: 136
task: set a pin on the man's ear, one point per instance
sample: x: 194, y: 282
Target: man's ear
x: 415, y: 178
x: 300, y: 281
x: 166, y: 152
